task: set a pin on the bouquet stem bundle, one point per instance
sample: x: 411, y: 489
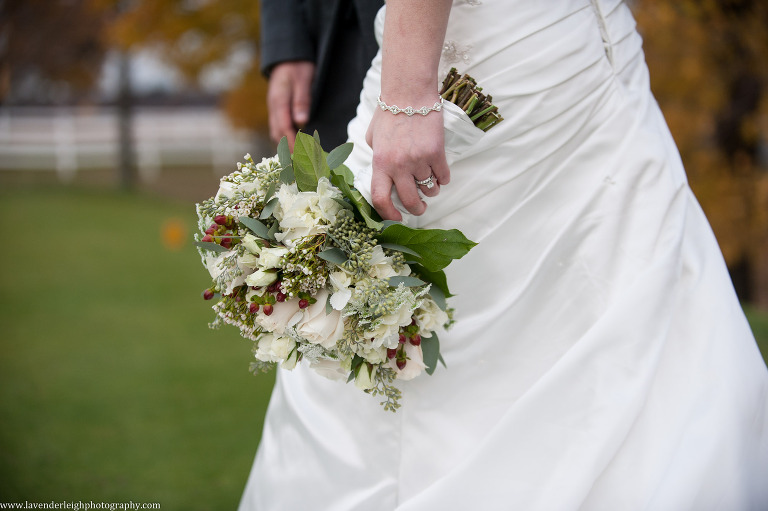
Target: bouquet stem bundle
x: 464, y: 92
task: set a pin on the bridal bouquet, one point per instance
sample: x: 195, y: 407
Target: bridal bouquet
x: 303, y: 266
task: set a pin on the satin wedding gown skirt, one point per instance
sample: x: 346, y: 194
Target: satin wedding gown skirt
x: 600, y: 359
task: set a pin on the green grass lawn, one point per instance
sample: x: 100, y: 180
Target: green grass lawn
x: 111, y: 386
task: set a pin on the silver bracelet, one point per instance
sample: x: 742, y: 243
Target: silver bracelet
x: 409, y: 110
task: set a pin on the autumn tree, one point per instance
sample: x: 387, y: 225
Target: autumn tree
x: 50, y: 51
x: 192, y: 36
x: 708, y: 70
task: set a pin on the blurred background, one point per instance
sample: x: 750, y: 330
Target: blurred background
x: 116, y: 116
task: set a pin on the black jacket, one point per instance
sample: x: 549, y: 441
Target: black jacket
x: 337, y: 35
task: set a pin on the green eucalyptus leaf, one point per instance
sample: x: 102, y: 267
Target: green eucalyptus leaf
x: 272, y: 231
x: 438, y: 296
x: 400, y: 248
x: 287, y: 175
x: 269, y: 208
x: 430, y: 350
x: 339, y: 154
x: 437, y: 247
x: 343, y: 171
x: 316, y: 136
x: 333, y: 255
x: 344, y: 204
x: 271, y: 189
x: 366, y: 212
x: 207, y: 245
x: 387, y: 223
x: 309, y: 162
x: 258, y: 228
x: 406, y: 281
x: 284, y: 153
x: 351, y: 376
x: 436, y: 278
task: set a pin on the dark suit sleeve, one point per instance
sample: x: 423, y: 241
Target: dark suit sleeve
x: 284, y: 33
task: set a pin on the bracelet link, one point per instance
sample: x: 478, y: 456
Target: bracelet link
x: 409, y: 110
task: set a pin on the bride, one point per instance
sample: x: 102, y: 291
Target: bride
x: 600, y: 359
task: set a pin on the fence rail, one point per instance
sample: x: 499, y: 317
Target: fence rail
x: 72, y: 139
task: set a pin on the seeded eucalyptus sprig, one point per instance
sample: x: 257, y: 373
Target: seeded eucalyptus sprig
x: 464, y: 92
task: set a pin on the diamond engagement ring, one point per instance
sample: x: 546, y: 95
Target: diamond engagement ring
x: 426, y: 182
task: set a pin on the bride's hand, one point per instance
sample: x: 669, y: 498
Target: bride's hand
x: 406, y: 149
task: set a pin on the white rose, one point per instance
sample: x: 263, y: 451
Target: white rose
x: 263, y: 349
x: 384, y: 334
x: 414, y: 364
x: 226, y: 189
x: 318, y: 327
x: 290, y: 362
x: 365, y: 377
x: 381, y: 265
x: 326, y: 206
x: 248, y: 261
x: 286, y: 196
x: 284, y: 315
x: 251, y: 243
x: 429, y: 316
x: 340, y: 280
x: 388, y: 330
x: 340, y: 298
x: 261, y: 278
x: 213, y: 264
x: 375, y: 355
x: 282, y: 347
x: 331, y: 369
x: 270, y: 257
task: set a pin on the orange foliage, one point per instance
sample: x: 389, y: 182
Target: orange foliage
x: 707, y: 60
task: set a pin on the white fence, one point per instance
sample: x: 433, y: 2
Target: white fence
x: 78, y: 139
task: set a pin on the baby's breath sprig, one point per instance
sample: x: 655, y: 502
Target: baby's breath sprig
x: 259, y: 366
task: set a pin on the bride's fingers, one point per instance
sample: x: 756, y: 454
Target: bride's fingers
x: 408, y: 192
x: 381, y: 197
x: 440, y: 170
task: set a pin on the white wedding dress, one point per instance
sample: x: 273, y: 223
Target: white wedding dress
x: 600, y: 359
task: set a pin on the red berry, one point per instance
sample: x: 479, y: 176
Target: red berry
x: 220, y: 219
x: 226, y: 242
x: 401, y: 340
x: 303, y: 303
x: 268, y: 309
x: 208, y: 294
x: 211, y: 229
x: 391, y: 352
x: 238, y: 298
x: 280, y: 296
x: 207, y: 238
x: 400, y: 363
x: 275, y: 286
x: 254, y: 308
x: 416, y: 340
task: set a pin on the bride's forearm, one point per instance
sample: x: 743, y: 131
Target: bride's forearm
x: 414, y: 32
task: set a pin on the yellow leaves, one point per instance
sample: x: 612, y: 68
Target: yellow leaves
x: 698, y: 51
